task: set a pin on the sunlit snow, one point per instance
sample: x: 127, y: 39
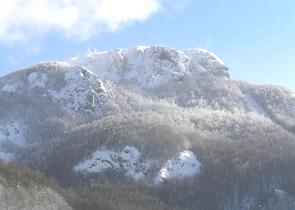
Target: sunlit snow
x: 185, y: 164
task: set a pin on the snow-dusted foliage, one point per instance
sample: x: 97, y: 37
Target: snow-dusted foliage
x: 278, y: 103
x: 23, y: 189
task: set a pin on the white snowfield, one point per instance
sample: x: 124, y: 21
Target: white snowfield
x: 151, y: 66
x: 128, y: 162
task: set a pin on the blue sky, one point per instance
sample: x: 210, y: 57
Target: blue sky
x: 255, y: 38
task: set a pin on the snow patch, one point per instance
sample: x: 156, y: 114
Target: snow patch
x: 126, y: 162
x: 185, y: 164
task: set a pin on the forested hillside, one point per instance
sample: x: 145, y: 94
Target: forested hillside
x: 148, y: 128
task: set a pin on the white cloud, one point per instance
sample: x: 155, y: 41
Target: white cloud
x: 23, y: 20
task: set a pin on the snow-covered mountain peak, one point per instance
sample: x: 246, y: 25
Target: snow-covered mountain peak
x: 151, y: 66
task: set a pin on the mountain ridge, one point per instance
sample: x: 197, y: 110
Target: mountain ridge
x: 147, y: 114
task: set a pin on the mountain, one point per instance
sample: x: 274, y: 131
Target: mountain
x: 153, y: 115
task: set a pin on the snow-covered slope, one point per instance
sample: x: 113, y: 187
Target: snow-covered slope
x: 170, y: 95
x: 51, y: 88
